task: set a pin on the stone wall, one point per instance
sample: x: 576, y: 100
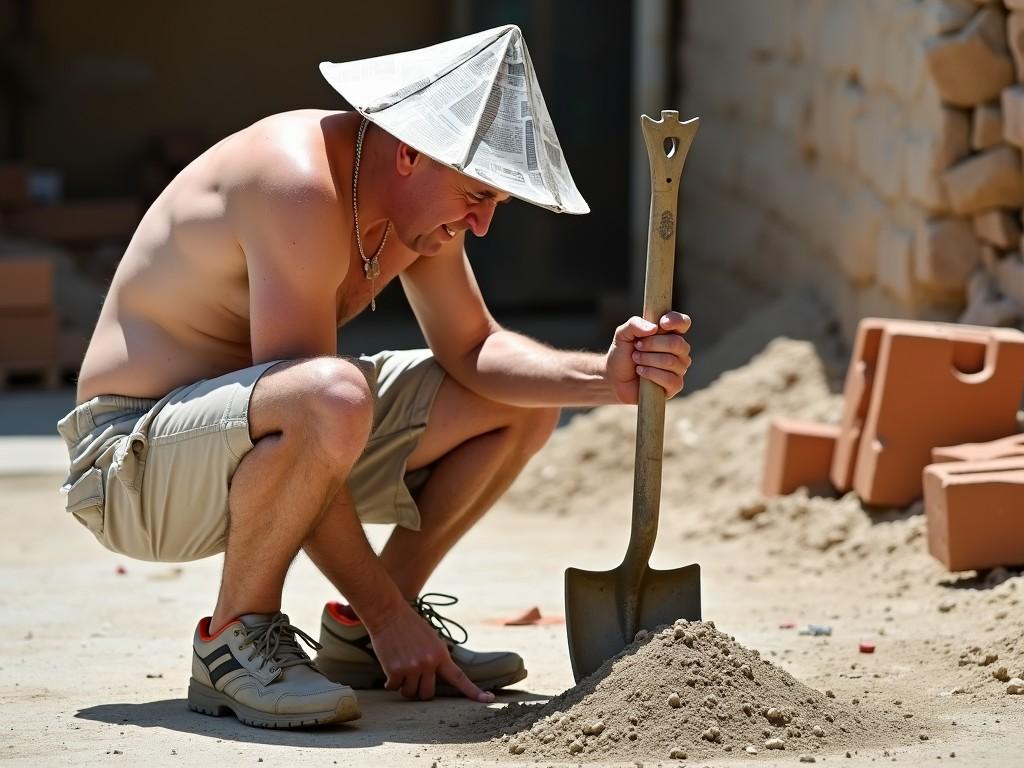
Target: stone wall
x: 869, y: 149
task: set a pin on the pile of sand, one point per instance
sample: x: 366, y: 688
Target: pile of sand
x: 686, y: 691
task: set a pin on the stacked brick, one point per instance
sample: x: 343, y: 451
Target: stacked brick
x: 48, y: 247
x: 930, y: 409
x: 870, y: 148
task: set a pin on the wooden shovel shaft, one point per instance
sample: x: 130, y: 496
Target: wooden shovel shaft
x: 668, y: 142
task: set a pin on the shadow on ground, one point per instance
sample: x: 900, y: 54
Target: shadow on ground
x: 387, y: 718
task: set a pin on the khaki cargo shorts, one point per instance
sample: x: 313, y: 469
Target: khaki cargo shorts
x: 150, y: 478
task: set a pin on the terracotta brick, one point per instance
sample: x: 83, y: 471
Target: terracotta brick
x: 932, y: 384
x: 975, y: 513
x: 990, y: 179
x: 856, y: 399
x: 26, y: 284
x: 999, y: 227
x: 986, y: 126
x: 86, y: 221
x: 971, y: 66
x: 28, y: 339
x: 798, y: 454
x: 1003, y: 448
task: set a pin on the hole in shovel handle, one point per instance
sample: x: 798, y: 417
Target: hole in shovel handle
x: 670, y: 145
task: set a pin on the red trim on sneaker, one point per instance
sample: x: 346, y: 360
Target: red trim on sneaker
x: 343, y: 614
x: 204, y: 628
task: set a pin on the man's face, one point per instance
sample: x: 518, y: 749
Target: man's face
x: 440, y: 203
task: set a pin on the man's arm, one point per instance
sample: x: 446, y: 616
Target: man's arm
x: 508, y: 367
x: 295, y: 255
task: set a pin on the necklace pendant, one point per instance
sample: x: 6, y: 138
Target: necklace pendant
x: 372, y: 268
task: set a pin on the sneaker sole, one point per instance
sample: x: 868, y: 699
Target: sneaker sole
x: 358, y: 676
x: 208, y: 701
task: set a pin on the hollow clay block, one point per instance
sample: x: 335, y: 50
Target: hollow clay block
x: 1004, y: 448
x: 798, y: 454
x: 975, y: 513
x: 934, y: 384
x: 856, y: 396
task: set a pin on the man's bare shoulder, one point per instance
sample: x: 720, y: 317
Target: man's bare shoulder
x: 287, y: 156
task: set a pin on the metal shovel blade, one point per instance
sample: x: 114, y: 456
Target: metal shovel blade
x: 594, y: 617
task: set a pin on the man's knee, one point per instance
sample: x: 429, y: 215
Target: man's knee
x: 536, y: 426
x: 326, y: 402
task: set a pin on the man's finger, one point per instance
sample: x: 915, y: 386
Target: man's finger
x: 661, y: 360
x: 451, y: 672
x: 635, y: 328
x: 672, y: 383
x: 672, y: 343
x: 675, y: 321
x: 411, y: 686
x: 427, y: 686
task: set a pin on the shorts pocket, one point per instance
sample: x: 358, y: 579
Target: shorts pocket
x: 85, y: 500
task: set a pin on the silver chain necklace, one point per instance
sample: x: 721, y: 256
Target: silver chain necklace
x: 371, y: 266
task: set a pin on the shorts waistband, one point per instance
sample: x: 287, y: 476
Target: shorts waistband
x: 101, y: 409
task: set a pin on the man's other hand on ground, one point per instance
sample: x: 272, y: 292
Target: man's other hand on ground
x: 413, y: 655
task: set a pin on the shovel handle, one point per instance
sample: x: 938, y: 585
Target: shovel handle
x: 668, y: 142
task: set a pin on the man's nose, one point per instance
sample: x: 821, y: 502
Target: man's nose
x: 480, y: 218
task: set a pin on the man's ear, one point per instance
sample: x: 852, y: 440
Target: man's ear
x: 406, y: 158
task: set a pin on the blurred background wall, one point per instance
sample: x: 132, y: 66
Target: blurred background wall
x: 868, y: 149
x: 865, y: 151
x: 104, y: 102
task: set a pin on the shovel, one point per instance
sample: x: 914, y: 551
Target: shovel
x: 605, y: 609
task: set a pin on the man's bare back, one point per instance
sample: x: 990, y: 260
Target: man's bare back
x: 178, y: 307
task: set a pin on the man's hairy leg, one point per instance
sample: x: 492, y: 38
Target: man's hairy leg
x: 477, y: 448
x: 309, y: 421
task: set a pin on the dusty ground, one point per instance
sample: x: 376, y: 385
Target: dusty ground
x: 95, y: 662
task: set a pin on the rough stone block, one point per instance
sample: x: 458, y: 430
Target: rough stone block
x: 991, y: 179
x: 879, y: 146
x: 1010, y: 277
x: 1012, y: 101
x: 975, y: 513
x: 857, y: 245
x: 895, y: 263
x: 986, y: 126
x: 945, y: 254
x: 1003, y: 448
x: 901, y: 374
x: 928, y: 155
x: 1015, y: 40
x: 994, y: 312
x: 998, y: 227
x: 86, y: 221
x: 942, y: 16
x: 798, y: 455
x: 973, y: 65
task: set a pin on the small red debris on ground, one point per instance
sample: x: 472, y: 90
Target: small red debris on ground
x: 866, y: 647
x: 787, y: 625
x: 120, y: 570
x: 532, y: 616
x: 529, y: 618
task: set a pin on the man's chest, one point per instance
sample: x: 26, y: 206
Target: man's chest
x: 361, y: 284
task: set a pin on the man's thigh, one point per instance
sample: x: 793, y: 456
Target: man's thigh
x: 165, y: 483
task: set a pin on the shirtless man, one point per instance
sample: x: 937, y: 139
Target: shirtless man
x: 214, y: 414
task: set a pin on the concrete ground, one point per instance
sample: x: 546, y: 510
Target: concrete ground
x: 95, y: 663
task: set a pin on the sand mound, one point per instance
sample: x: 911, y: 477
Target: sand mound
x: 685, y: 691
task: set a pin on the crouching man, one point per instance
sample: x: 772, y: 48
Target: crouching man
x: 214, y: 415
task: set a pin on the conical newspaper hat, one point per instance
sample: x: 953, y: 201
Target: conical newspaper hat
x: 473, y: 104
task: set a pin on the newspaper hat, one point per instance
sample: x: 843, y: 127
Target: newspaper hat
x: 472, y: 104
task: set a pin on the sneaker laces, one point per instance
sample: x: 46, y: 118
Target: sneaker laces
x: 425, y: 607
x: 276, y: 641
